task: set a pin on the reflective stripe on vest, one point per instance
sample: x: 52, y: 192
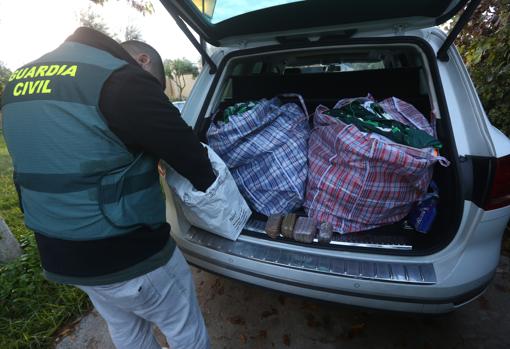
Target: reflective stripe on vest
x: 78, y: 180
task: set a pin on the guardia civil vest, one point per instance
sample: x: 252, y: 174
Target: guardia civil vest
x: 78, y: 180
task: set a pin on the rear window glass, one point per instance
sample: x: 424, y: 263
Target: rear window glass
x: 219, y: 10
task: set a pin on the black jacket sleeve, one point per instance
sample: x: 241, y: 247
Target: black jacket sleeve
x: 140, y: 114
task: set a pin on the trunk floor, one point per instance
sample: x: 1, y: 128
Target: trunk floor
x: 392, y: 237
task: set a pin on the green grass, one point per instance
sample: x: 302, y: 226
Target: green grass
x: 31, y: 308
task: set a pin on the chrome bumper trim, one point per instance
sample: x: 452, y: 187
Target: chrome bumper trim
x: 409, y: 273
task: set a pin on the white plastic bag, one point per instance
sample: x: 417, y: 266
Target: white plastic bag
x: 221, y: 209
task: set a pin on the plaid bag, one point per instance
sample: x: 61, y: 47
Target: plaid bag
x: 359, y: 181
x: 265, y: 149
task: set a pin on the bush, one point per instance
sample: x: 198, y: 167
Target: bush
x: 485, y: 46
x: 4, y: 77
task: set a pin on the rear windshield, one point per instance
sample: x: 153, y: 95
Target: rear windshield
x: 218, y: 10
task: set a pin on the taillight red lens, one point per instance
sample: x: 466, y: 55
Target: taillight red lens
x: 500, y: 191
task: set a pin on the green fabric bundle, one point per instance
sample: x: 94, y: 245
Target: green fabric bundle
x: 237, y: 108
x: 375, y: 121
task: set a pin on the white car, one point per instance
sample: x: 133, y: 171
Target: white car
x: 325, y: 51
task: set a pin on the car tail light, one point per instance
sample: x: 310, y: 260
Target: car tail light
x: 499, y: 195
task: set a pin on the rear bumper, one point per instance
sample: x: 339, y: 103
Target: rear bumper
x: 462, y: 270
x: 404, y: 296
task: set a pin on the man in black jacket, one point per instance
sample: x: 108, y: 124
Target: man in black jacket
x: 89, y: 184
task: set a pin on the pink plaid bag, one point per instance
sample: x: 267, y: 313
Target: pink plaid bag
x: 359, y: 181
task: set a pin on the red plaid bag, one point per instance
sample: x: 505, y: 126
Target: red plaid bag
x: 359, y: 181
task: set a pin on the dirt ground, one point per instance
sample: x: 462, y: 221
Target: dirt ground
x: 242, y: 316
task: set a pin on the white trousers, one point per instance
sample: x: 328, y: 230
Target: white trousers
x: 165, y: 296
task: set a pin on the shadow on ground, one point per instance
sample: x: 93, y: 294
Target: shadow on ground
x: 241, y: 316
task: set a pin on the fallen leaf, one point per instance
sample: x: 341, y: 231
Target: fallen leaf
x: 65, y: 332
x: 356, y: 330
x: 484, y: 303
x: 243, y: 338
x: 310, y: 306
x: 217, y: 284
x: 286, y: 340
x: 312, y: 322
x: 502, y: 288
x: 268, y: 313
x: 237, y: 320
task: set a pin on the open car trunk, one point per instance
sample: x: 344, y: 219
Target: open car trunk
x: 326, y: 74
